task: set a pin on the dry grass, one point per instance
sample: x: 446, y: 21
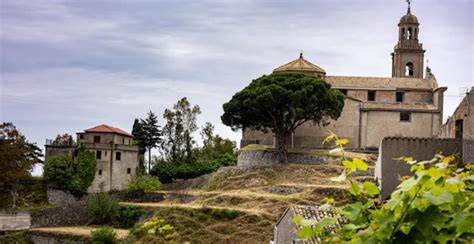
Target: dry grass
x: 78, y: 231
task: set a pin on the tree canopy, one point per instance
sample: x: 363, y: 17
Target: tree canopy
x: 17, y: 159
x: 279, y: 103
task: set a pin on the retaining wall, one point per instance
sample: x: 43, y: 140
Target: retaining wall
x: 14, y: 221
x: 255, y: 158
x: 388, y: 169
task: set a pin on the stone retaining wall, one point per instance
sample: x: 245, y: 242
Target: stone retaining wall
x: 59, y: 216
x: 252, y: 158
x: 14, y: 221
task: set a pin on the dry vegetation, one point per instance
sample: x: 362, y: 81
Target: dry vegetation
x: 260, y: 195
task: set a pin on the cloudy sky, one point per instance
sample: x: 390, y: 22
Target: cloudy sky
x: 70, y: 65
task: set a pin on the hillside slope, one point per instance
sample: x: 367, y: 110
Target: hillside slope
x: 237, y: 205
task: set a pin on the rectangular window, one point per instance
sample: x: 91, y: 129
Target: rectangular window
x: 459, y: 128
x: 343, y: 91
x: 405, y: 117
x: 400, y: 96
x: 100, y: 172
x: 371, y: 96
x: 118, y: 156
x: 98, y: 155
x: 96, y: 139
x: 81, y: 136
x: 129, y: 170
x: 123, y: 141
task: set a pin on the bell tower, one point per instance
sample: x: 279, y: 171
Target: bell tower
x: 408, y: 54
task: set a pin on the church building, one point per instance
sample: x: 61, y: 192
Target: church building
x: 409, y: 103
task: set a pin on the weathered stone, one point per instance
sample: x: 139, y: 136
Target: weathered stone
x: 282, y: 189
x: 252, y: 158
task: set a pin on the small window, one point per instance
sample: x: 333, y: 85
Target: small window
x: 81, y: 136
x: 405, y: 117
x: 343, y: 91
x: 458, y: 128
x: 100, y: 172
x: 96, y: 139
x: 98, y: 155
x: 105, y: 153
x: 371, y: 95
x: 400, y: 96
x: 409, y: 69
x: 129, y: 170
x: 118, y: 156
x: 123, y: 141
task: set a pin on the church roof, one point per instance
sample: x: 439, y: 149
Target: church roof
x: 408, y: 18
x: 300, y: 64
x: 107, y: 129
x: 381, y: 83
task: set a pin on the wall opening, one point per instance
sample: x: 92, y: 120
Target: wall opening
x: 405, y: 117
x: 409, y: 69
x: 399, y: 96
x: 409, y: 33
x: 459, y: 128
x: 371, y: 96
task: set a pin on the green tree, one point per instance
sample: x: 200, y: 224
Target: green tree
x: 17, y: 159
x: 138, y: 139
x: 64, y: 140
x: 75, y: 177
x: 180, y: 125
x: 281, y: 102
x: 150, y: 134
x: 214, y: 146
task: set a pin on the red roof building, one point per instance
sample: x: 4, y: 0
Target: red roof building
x: 108, y: 129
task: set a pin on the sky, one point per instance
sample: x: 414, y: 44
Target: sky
x: 66, y: 66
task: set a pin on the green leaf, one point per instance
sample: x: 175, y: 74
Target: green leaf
x: 405, y: 227
x: 297, y: 219
x: 306, y: 232
x: 354, y: 189
x: 353, y: 210
x: 359, y: 164
x: 370, y: 188
x: 350, y: 165
x: 327, y: 222
x: 435, y: 173
x: 443, y: 197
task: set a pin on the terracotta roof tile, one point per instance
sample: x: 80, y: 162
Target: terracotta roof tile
x: 107, y: 129
x: 389, y: 83
x: 300, y: 64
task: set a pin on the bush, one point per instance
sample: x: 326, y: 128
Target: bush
x: 61, y: 173
x: 127, y: 216
x: 104, y: 235
x: 155, y: 226
x: 168, y: 171
x: 101, y: 208
x: 144, y: 183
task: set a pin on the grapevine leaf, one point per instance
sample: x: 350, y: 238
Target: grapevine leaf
x: 443, y: 197
x: 340, y: 178
x: 370, y: 188
x: 354, y: 189
x: 359, y: 164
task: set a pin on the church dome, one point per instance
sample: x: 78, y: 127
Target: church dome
x: 409, y: 19
x: 301, y: 65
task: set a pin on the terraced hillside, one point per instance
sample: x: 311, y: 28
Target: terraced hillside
x: 236, y: 205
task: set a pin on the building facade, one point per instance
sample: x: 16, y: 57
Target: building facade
x: 406, y: 104
x: 117, y: 158
x: 461, y: 124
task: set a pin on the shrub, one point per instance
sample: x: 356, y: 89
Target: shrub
x: 104, y: 235
x: 168, y: 171
x: 144, y: 183
x: 155, y: 226
x: 101, y: 208
x: 127, y: 216
x: 75, y: 177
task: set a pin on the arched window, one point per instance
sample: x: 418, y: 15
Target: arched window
x: 409, y: 34
x: 416, y: 33
x: 403, y: 34
x: 409, y: 69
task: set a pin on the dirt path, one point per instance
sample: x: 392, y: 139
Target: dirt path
x: 83, y: 231
x: 194, y: 206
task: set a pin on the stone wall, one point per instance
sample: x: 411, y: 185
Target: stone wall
x: 14, y: 221
x: 468, y: 151
x: 387, y: 169
x: 59, y: 216
x: 255, y: 158
x: 58, y: 197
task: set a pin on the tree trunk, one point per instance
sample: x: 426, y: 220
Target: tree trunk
x: 282, y: 146
x: 149, y: 160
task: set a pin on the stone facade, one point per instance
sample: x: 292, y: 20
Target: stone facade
x: 117, y: 159
x: 406, y: 104
x: 258, y: 158
x: 461, y: 123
